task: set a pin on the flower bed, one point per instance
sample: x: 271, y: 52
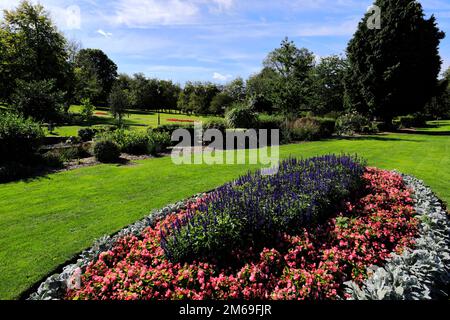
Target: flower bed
x: 403, y: 232
x: 255, y: 210
x: 181, y: 120
x: 313, y: 264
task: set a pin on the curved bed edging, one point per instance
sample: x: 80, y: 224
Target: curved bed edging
x: 422, y: 273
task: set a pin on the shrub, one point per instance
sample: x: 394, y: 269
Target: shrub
x: 352, y: 123
x: 171, y: 127
x: 305, y: 129
x: 87, y: 109
x: 327, y: 126
x: 159, y: 142
x: 253, y: 210
x: 106, y: 128
x: 310, y: 128
x: 411, y: 121
x: 270, y: 121
x: 87, y: 134
x: 11, y: 171
x: 52, y: 160
x: 106, y: 151
x: 216, y: 123
x: 131, y: 142
x: 19, y: 138
x: 241, y: 117
x: 57, y: 156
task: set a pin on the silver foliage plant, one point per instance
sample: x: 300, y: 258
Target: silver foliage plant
x: 422, y: 273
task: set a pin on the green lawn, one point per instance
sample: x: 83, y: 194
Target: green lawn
x: 44, y: 222
x: 437, y: 126
x: 136, y: 120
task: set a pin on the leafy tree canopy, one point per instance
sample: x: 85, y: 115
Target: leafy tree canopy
x: 95, y: 64
x: 32, y: 49
x: 393, y: 71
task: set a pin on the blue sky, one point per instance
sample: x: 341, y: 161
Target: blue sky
x: 213, y: 40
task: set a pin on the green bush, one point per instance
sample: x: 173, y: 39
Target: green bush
x: 216, y: 123
x: 305, y: 129
x: 58, y: 156
x: 327, y: 126
x: 241, y: 117
x: 170, y: 128
x: 106, y: 128
x: 106, y: 151
x: 270, y: 122
x: 87, y: 134
x: 131, y: 142
x: 87, y: 109
x: 19, y: 138
x: 11, y: 171
x: 411, y: 121
x: 159, y: 142
x: 52, y: 160
x: 353, y: 123
x: 311, y: 129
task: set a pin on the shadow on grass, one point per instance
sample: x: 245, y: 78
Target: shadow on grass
x: 42, y: 172
x: 426, y: 133
x: 379, y: 137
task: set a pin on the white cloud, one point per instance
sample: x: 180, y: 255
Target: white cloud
x: 221, y: 77
x: 222, y: 5
x: 142, y: 13
x: 145, y: 13
x: 104, y: 33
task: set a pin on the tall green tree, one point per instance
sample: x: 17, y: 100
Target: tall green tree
x: 328, y: 85
x: 236, y: 89
x: 119, y: 102
x: 439, y: 106
x: 261, y: 90
x: 394, y: 70
x: 38, y: 100
x: 32, y: 49
x: 169, y: 94
x: 144, y: 92
x: 95, y: 64
x: 220, y: 103
x: 196, y: 97
x: 292, y: 91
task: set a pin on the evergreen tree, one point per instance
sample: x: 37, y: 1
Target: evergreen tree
x: 394, y: 70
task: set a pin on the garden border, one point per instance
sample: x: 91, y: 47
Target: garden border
x: 422, y: 273
x: 54, y: 287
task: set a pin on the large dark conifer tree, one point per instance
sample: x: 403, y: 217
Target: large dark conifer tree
x: 394, y: 70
